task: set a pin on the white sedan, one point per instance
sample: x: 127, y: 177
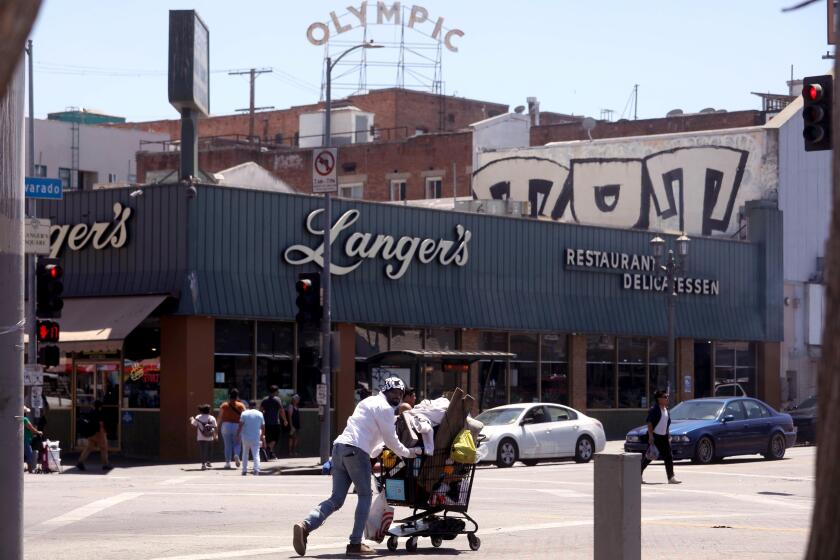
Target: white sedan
x: 529, y: 432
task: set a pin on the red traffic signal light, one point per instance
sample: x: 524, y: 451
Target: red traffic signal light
x: 817, y: 101
x: 48, y: 331
x: 308, y: 287
x: 49, y: 276
x: 813, y: 92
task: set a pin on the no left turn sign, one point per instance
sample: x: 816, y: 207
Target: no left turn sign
x: 323, y: 170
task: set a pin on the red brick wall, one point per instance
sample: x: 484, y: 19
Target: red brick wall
x: 541, y: 135
x: 394, y: 108
x: 376, y: 160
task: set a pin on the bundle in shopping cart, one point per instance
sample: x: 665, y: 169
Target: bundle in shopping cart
x: 50, y: 456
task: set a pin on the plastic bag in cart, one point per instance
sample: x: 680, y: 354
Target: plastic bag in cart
x: 379, y: 519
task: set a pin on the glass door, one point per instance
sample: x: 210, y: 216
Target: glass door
x: 98, y: 381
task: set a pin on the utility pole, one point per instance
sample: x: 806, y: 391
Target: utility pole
x: 253, y: 72
x: 11, y: 311
x: 31, y: 212
x: 636, y: 102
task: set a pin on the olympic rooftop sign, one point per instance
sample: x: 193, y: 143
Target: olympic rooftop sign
x: 319, y: 33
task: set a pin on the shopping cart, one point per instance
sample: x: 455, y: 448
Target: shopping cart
x: 437, y: 489
x: 49, y: 456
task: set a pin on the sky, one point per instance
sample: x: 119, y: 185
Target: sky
x: 575, y: 56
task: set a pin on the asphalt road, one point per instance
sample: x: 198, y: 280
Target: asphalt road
x: 744, y: 508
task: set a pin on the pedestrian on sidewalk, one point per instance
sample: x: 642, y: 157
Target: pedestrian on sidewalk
x: 275, y: 418
x: 658, y: 425
x: 96, y: 440
x: 372, y: 423
x: 251, y: 433
x: 28, y: 432
x: 228, y: 422
x: 293, y: 417
x: 206, y: 432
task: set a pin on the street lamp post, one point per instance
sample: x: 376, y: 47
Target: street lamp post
x: 326, y: 321
x: 670, y: 265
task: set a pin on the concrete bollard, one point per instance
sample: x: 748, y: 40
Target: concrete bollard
x: 618, y: 506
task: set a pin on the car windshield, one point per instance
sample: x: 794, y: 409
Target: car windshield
x: 696, y: 410
x: 808, y: 403
x: 499, y: 416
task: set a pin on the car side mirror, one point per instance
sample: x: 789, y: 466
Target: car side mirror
x: 526, y: 421
x: 729, y: 418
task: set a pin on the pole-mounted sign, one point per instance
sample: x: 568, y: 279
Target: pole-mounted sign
x: 189, y: 80
x: 324, y: 177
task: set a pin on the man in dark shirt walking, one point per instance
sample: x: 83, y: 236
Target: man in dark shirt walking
x: 272, y: 409
x: 97, y: 438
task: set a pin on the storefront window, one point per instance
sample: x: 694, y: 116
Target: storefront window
x: 275, y: 352
x: 370, y: 340
x: 555, y: 368
x: 441, y: 339
x: 632, y: 378
x: 523, y: 368
x: 141, y: 366
x: 234, y: 337
x: 492, y: 374
x: 600, y: 371
x: 233, y: 372
x: 406, y: 339
x: 658, y: 368
x: 734, y: 369
x: 57, y: 390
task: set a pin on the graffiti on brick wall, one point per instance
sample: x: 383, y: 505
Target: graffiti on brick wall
x: 692, y: 189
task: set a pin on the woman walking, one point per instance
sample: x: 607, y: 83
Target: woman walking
x: 228, y: 421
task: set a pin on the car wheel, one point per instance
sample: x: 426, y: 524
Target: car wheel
x: 584, y: 449
x: 530, y: 462
x: 507, y: 454
x: 776, y: 447
x: 704, y: 451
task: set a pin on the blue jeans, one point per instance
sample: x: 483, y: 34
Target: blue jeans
x: 232, y: 444
x: 349, y: 464
x: 254, y: 447
x: 28, y: 455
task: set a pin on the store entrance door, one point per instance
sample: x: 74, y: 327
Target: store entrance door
x: 98, y: 381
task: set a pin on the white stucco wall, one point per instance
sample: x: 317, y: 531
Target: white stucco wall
x: 103, y: 149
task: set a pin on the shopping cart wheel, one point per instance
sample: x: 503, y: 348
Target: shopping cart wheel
x: 475, y: 542
x: 437, y: 541
x: 393, y: 542
x: 411, y: 544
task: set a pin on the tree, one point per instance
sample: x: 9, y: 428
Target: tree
x: 824, y: 541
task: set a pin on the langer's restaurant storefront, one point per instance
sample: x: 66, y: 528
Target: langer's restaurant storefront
x: 175, y: 296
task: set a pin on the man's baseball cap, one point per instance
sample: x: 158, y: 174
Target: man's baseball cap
x: 393, y: 383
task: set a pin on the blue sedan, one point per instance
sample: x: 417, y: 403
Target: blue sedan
x: 705, y: 430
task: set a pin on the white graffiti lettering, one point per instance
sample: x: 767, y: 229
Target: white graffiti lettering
x: 691, y: 189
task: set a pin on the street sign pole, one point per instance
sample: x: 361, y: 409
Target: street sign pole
x: 326, y: 325
x: 31, y: 211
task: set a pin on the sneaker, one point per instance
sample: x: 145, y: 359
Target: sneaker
x: 360, y: 549
x: 673, y: 480
x: 236, y: 460
x: 244, y: 473
x: 209, y: 466
x: 227, y: 465
x: 107, y: 468
x: 256, y: 473
x: 204, y: 467
x: 299, y: 536
x: 81, y: 466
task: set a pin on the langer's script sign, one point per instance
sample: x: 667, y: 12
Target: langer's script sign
x: 102, y: 234
x: 360, y: 246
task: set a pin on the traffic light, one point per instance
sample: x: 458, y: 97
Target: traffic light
x: 308, y: 301
x: 818, y: 99
x: 48, y: 331
x: 48, y: 356
x: 49, y: 276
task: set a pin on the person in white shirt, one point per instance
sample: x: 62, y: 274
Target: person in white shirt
x: 372, y: 423
x: 206, y: 432
x: 251, y: 432
x: 658, y: 422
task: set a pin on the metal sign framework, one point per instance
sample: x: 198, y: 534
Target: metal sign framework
x: 419, y: 64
